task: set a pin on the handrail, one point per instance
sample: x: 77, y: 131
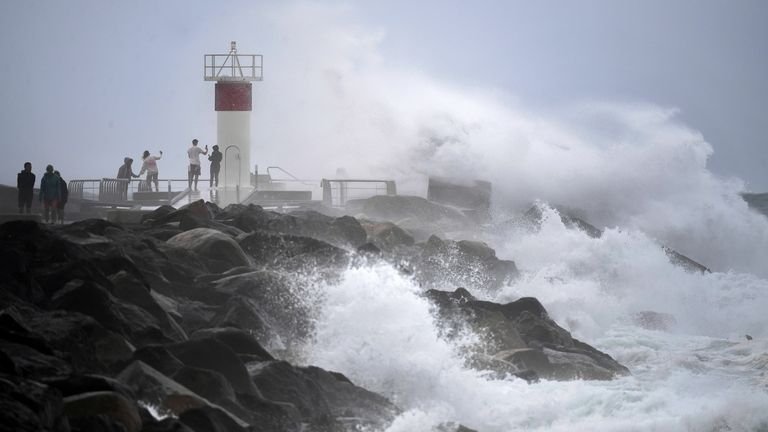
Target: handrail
x: 293, y: 177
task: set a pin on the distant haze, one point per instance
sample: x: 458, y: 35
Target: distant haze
x: 86, y: 83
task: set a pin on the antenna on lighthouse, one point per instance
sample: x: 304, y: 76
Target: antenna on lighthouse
x: 233, y: 74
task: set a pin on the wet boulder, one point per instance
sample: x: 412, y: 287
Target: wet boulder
x: 387, y: 236
x: 209, y: 353
x: 322, y: 397
x: 292, y: 252
x: 218, y: 249
x: 104, y: 403
x: 29, y: 406
x: 521, y: 333
x: 463, y: 263
x: 239, y: 341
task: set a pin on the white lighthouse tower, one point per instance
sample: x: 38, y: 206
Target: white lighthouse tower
x: 233, y: 74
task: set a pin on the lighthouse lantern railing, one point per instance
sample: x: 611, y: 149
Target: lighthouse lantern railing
x: 233, y: 66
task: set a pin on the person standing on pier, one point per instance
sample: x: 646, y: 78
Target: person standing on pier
x: 194, y: 153
x: 63, y: 197
x: 50, y: 193
x: 150, y: 166
x: 25, y: 181
x: 126, y: 173
x: 215, y: 159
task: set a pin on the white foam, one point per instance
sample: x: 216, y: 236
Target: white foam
x: 375, y: 328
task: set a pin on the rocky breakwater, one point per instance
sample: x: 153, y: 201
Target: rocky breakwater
x: 192, y: 320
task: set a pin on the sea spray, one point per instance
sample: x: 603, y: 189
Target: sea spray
x: 376, y: 328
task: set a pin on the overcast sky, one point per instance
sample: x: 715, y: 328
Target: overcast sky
x: 85, y: 83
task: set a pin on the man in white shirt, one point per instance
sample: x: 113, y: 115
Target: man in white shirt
x: 194, y: 153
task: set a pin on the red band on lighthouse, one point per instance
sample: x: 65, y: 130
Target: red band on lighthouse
x: 233, y: 96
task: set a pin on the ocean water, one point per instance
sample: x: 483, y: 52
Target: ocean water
x: 700, y: 374
x: 632, y: 169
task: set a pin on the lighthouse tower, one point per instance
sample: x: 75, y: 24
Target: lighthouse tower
x: 233, y: 74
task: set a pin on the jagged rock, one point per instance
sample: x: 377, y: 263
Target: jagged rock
x: 683, y: 261
x: 242, y: 313
x: 462, y: 264
x: 342, y: 232
x: 29, y: 406
x: 79, y: 384
x: 157, y: 214
x: 106, y: 403
x: 159, y: 358
x: 521, y: 333
x: 387, y: 236
x: 220, y: 250
x: 210, y: 419
x: 76, y: 338
x: 133, y: 322
x: 237, y: 340
x: 211, y: 354
x: 279, y: 302
x: 33, y: 364
x: 128, y: 288
x: 321, y: 397
x: 154, y: 388
x: 291, y: 252
x: 211, y: 385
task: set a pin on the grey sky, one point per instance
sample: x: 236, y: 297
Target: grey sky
x: 85, y: 83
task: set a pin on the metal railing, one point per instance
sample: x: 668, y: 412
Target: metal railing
x: 125, y: 191
x: 239, y: 67
x: 336, y: 192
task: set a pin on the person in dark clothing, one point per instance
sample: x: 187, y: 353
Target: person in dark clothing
x: 50, y: 193
x: 126, y: 172
x: 215, y: 159
x: 25, y: 181
x: 63, y: 196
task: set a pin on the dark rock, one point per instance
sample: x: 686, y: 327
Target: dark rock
x: 159, y: 358
x: 369, y: 250
x: 291, y: 252
x: 211, y: 354
x: 210, y: 419
x: 280, y: 302
x: 29, y: 406
x: 78, y: 384
x: 33, y: 364
x: 242, y: 313
x: 220, y: 250
x: 387, y: 235
x: 320, y: 396
x: 462, y: 264
x: 239, y: 341
x: 135, y: 323
x: 207, y: 383
x: 158, y: 214
x: 78, y: 339
x: 106, y: 403
x: 522, y: 334
x: 152, y: 387
x: 683, y: 261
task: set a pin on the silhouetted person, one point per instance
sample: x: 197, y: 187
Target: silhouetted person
x: 63, y: 197
x: 150, y: 166
x: 50, y: 193
x: 25, y: 181
x: 126, y: 172
x: 194, y: 153
x: 215, y: 159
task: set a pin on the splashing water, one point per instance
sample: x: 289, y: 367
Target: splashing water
x: 376, y: 328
